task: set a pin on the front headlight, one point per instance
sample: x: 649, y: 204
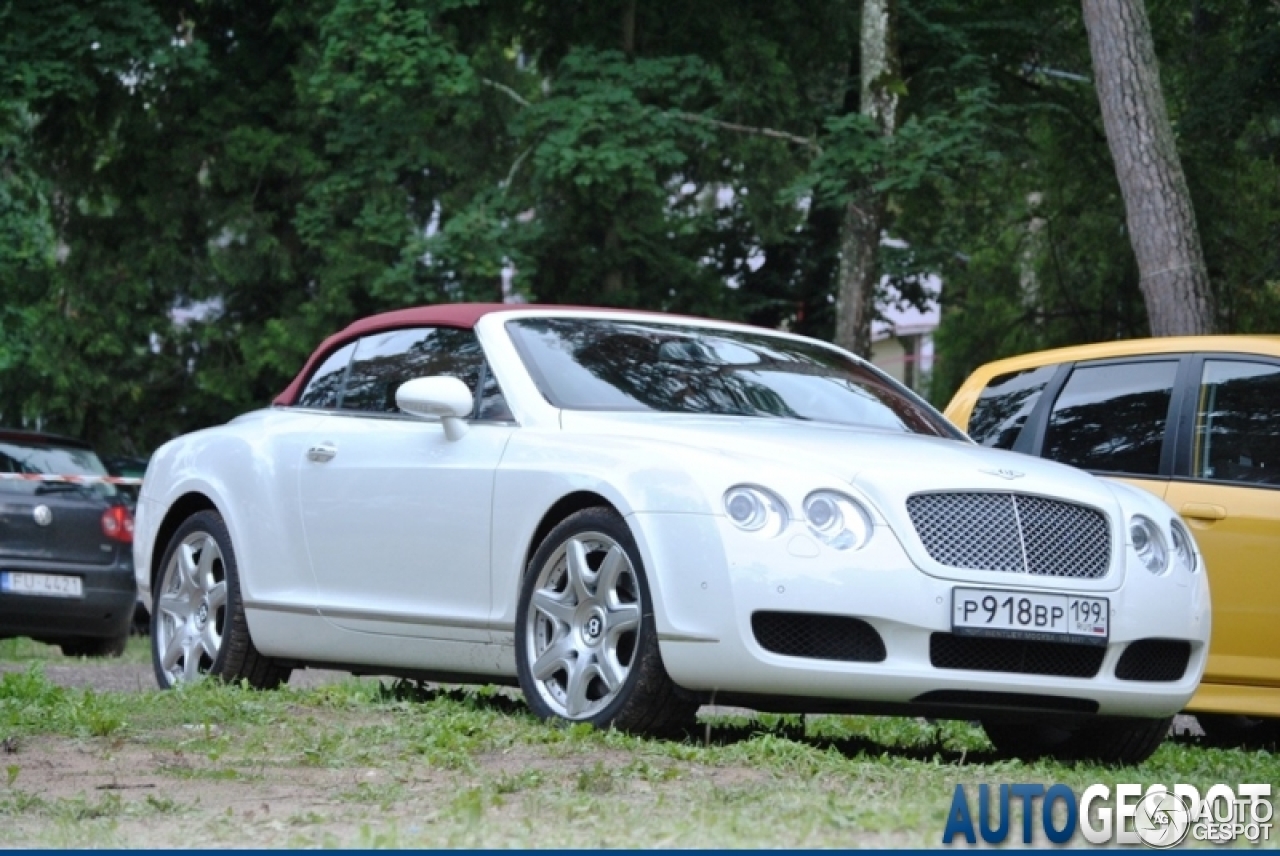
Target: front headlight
x: 754, y: 509
x: 837, y: 520
x: 1148, y: 543
x: 1184, y: 548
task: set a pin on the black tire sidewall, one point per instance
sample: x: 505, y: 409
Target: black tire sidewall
x: 607, y: 522
x: 210, y: 523
x: 1226, y: 730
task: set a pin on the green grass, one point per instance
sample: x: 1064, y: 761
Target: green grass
x: 24, y: 650
x: 361, y: 764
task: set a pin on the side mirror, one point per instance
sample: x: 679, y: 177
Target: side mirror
x: 441, y: 397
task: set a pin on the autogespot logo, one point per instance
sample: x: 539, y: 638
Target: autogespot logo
x: 1162, y: 819
x: 1157, y: 816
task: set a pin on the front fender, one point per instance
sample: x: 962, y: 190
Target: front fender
x: 642, y: 480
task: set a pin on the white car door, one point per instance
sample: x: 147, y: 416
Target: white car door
x: 397, y: 516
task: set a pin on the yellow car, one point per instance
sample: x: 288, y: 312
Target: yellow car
x: 1194, y: 420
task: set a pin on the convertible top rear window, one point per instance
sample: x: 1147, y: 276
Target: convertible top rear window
x: 606, y: 364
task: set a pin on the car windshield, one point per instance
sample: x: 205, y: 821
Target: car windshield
x: 605, y: 364
x: 43, y: 458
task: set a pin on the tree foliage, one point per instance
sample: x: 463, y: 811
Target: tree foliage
x: 194, y: 193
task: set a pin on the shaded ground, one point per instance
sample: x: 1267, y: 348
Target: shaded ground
x: 116, y: 676
x: 431, y: 775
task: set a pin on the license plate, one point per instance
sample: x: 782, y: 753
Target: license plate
x: 1030, y: 615
x: 45, y: 585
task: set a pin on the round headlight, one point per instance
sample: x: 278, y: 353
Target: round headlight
x: 837, y: 520
x: 755, y: 509
x: 1183, y: 545
x: 1148, y: 543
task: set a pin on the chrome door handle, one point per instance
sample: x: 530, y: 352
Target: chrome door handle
x: 322, y: 452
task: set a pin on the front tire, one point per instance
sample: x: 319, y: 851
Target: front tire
x: 586, y: 642
x: 198, y: 625
x: 1117, y: 741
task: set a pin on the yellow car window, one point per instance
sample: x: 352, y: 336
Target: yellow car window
x: 1237, y: 435
x: 1005, y: 404
x: 1112, y: 418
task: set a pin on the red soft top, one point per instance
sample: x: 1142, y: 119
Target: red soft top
x: 462, y: 315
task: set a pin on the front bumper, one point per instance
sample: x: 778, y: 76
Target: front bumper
x: 709, y: 579
x: 104, y: 609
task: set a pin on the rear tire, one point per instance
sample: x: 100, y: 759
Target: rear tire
x: 1119, y: 741
x: 586, y: 643
x: 111, y: 646
x: 198, y: 625
x: 1234, y: 731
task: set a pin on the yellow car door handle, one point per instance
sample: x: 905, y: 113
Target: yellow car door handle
x: 1204, y: 511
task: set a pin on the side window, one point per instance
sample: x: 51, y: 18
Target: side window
x: 383, y: 361
x: 493, y: 404
x: 1237, y: 434
x: 324, y: 390
x: 1003, y: 407
x: 1112, y: 417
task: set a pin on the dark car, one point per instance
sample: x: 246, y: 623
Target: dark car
x: 129, y: 469
x: 66, y: 547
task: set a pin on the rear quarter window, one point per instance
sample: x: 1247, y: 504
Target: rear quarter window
x: 324, y: 390
x: 1003, y: 407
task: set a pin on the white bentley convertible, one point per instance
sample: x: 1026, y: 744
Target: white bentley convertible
x: 629, y: 514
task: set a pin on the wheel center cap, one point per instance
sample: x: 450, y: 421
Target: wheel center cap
x: 202, y: 614
x: 593, y: 627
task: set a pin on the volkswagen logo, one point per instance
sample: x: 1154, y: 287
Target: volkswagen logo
x: 42, y: 515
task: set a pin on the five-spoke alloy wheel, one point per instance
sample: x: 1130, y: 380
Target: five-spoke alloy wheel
x: 197, y: 621
x: 586, y: 646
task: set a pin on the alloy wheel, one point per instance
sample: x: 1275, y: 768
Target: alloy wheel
x: 191, y: 609
x: 583, y: 625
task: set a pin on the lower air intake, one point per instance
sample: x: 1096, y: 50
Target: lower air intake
x: 1021, y: 656
x: 818, y: 637
x: 1154, y: 660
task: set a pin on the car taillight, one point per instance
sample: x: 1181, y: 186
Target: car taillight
x: 117, y: 524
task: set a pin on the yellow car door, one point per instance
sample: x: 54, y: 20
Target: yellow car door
x: 1230, y: 498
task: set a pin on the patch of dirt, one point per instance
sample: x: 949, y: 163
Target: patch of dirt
x: 173, y: 800
x: 151, y: 797
x: 110, y: 676
x: 141, y: 791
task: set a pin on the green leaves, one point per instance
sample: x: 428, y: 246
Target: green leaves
x: 192, y: 197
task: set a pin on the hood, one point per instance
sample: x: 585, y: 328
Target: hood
x: 884, y: 467
x: 884, y: 464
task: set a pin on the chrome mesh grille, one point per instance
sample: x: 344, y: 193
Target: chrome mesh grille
x: 1012, y: 532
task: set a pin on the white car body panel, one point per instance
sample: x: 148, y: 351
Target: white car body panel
x: 396, y: 506
x: 406, y: 550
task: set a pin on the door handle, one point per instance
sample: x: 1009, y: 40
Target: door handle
x: 1204, y: 511
x: 322, y: 452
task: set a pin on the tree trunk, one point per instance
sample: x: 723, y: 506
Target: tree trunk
x: 863, y: 217
x: 629, y: 28
x: 616, y: 275
x: 1162, y: 223
x: 858, y: 272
